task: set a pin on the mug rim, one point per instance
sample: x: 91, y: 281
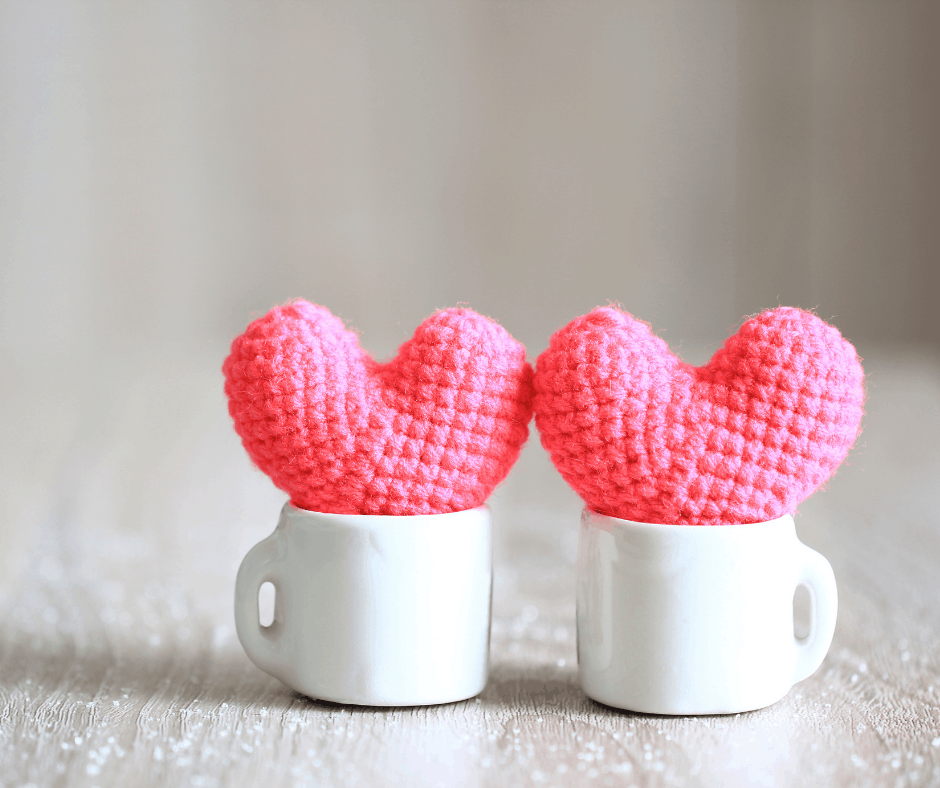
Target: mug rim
x: 289, y: 512
x: 618, y: 522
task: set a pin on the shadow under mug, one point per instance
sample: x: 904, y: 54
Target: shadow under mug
x: 685, y: 619
x: 371, y: 609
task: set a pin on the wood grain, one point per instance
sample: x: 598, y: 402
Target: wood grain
x: 129, y: 506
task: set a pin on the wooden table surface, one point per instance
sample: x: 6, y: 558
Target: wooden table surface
x: 128, y: 504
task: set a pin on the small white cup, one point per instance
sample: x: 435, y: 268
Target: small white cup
x: 685, y: 619
x: 372, y: 610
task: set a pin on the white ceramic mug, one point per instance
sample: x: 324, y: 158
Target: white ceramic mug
x: 372, y: 610
x: 685, y: 619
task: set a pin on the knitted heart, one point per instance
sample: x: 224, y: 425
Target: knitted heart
x: 434, y: 430
x: 640, y: 435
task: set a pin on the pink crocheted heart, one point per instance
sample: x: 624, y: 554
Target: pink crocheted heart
x: 434, y: 430
x: 640, y: 435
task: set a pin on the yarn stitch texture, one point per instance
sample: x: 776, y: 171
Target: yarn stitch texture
x: 643, y: 436
x: 434, y: 430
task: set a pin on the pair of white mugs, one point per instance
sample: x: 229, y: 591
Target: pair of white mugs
x: 672, y: 619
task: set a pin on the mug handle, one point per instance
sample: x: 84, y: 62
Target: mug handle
x: 816, y: 574
x: 262, y: 644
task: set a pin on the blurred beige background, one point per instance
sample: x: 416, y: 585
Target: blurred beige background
x: 168, y: 170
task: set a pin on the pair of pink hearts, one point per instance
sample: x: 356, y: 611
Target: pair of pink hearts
x: 637, y: 433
